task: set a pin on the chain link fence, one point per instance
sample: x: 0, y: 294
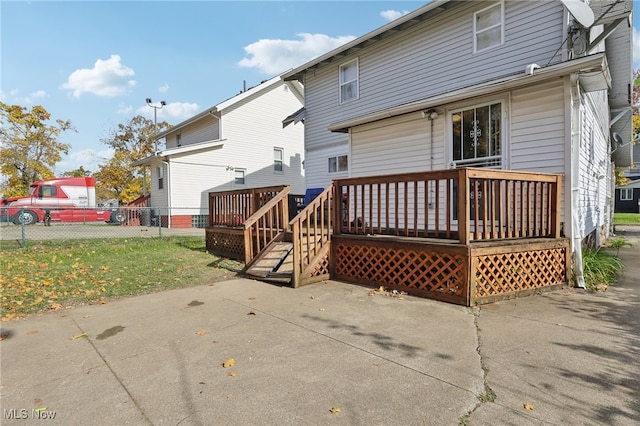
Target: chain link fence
x: 19, y: 228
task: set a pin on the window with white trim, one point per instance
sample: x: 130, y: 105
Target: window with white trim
x: 488, y: 27
x: 160, y: 177
x: 338, y: 164
x: 278, y: 159
x: 626, y: 194
x: 239, y: 176
x: 349, y: 81
x: 477, y: 136
x: 179, y: 139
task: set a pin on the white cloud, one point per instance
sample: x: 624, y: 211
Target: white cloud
x: 14, y: 97
x: 636, y: 47
x: 124, y: 109
x: 172, y: 112
x: 274, y: 56
x: 107, y: 78
x: 392, y: 15
x: 90, y: 159
x: 164, y: 88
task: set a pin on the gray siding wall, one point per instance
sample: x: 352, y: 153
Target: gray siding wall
x: 432, y: 58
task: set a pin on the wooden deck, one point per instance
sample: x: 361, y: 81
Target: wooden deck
x: 465, y: 236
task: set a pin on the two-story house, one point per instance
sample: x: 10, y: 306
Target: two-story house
x: 537, y: 86
x: 239, y: 143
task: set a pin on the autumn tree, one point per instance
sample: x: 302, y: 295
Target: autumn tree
x: 30, y: 147
x: 79, y: 172
x: 131, y: 141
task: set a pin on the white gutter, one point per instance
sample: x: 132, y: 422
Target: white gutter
x: 168, y: 193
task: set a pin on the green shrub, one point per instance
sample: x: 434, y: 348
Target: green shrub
x: 600, y: 268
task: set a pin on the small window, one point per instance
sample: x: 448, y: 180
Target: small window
x: 626, y: 194
x: 278, y: 157
x: 338, y: 164
x: 488, y: 27
x: 349, y: 81
x: 48, y: 191
x: 160, y: 177
x: 239, y: 176
x: 179, y: 139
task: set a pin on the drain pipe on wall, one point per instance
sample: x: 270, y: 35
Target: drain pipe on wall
x: 168, y: 193
x: 576, y: 236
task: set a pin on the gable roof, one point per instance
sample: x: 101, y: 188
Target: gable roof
x: 217, y: 109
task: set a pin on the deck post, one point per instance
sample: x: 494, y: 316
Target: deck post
x: 463, y: 206
x: 556, y: 206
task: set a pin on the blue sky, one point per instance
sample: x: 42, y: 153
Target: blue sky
x: 94, y: 63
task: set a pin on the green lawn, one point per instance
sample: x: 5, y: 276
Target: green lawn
x: 55, y: 274
x: 626, y: 218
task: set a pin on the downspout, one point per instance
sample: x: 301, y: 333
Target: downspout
x: 576, y: 237
x: 168, y: 193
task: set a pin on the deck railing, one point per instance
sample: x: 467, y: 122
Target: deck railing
x: 312, y: 229
x: 466, y: 204
x: 233, y: 208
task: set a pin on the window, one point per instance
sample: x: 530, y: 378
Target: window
x: 338, y: 164
x: 626, y: 194
x: 349, y: 81
x: 160, y: 177
x: 48, y: 191
x: 239, y: 176
x: 488, y: 27
x: 179, y: 139
x: 477, y: 136
x: 278, y: 157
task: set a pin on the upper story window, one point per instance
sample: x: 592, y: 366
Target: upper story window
x: 338, y: 164
x: 179, y: 139
x: 477, y: 136
x: 349, y: 81
x: 488, y: 27
x: 278, y: 159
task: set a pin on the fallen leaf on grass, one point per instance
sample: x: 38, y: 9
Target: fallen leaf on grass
x: 201, y: 332
x: 233, y: 373
x: 335, y: 410
x: 229, y: 363
x: 77, y: 336
x: 529, y: 407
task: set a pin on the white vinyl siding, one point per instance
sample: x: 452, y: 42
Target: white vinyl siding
x: 537, y: 136
x: 252, y: 127
x: 397, y: 145
x: 315, y: 165
x: 432, y: 58
x: 204, y: 130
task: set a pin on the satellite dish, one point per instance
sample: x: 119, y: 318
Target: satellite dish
x: 580, y: 11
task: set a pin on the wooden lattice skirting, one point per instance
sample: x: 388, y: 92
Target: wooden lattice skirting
x: 226, y: 242
x: 441, y: 271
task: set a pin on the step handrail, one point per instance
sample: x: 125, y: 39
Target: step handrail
x: 266, y: 224
x: 314, y: 223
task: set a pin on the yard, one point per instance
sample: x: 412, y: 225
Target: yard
x: 53, y: 275
x: 626, y: 218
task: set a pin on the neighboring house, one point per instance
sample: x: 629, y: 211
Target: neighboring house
x: 520, y: 85
x: 628, y: 197
x: 239, y: 143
